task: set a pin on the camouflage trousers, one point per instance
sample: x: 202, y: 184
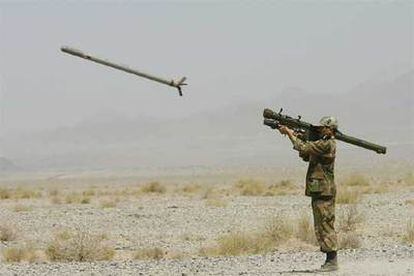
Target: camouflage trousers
x: 324, y: 218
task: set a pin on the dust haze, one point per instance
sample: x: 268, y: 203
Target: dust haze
x: 351, y: 60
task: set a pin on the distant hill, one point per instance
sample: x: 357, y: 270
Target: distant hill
x: 7, y: 165
x: 381, y: 111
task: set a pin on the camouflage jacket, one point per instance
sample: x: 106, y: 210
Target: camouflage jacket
x: 321, y: 157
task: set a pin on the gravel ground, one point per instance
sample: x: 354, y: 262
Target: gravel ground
x: 396, y: 260
x: 185, y: 224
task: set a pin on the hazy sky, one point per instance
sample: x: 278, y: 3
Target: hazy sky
x: 230, y: 52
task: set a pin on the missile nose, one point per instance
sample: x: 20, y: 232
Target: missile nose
x: 72, y: 51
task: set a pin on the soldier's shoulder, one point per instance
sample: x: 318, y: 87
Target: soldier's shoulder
x: 332, y: 145
x: 327, y: 144
x: 320, y: 145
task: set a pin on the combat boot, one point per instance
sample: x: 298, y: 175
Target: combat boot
x: 331, y: 263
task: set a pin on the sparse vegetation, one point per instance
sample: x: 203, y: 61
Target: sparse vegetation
x: 88, y: 193
x: 19, y: 193
x: 21, y: 208
x: 363, y: 185
x: 348, y: 228
x: 349, y: 240
x: 191, y: 189
x: 85, y: 200
x: 218, y: 202
x: 409, y: 233
x: 109, y: 203
x: 238, y: 243
x: 356, y: 180
x: 276, y: 232
x: 4, y: 193
x: 154, y: 253
x: 26, y: 193
x: 377, y: 185
x: 348, y: 195
x: 7, y: 232
x: 284, y: 187
x: 278, y: 229
x: 280, y: 233
x: 209, y: 193
x: 192, y: 237
x: 250, y: 187
x: 175, y: 255
x: 79, y: 245
x: 20, y: 253
x: 154, y: 188
x: 379, y: 188
x: 351, y: 220
x: 77, y: 198
x: 56, y: 200
x: 305, y: 231
x: 53, y: 192
x: 409, y: 202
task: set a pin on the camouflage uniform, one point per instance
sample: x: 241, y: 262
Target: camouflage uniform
x: 320, y: 186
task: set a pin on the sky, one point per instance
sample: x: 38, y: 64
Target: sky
x: 230, y: 52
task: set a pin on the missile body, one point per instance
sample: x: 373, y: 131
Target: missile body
x: 174, y: 83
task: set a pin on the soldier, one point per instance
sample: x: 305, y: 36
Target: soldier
x: 320, y: 185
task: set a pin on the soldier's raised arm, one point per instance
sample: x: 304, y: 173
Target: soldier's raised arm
x: 318, y: 147
x: 306, y: 148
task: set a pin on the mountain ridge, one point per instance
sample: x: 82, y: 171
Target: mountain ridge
x: 379, y: 111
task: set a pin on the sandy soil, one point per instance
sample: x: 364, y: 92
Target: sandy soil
x: 182, y: 223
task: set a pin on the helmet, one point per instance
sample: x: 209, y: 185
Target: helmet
x: 329, y: 121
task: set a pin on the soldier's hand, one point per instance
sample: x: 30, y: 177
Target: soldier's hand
x: 284, y: 130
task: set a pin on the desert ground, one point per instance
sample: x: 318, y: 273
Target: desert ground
x: 201, y: 221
